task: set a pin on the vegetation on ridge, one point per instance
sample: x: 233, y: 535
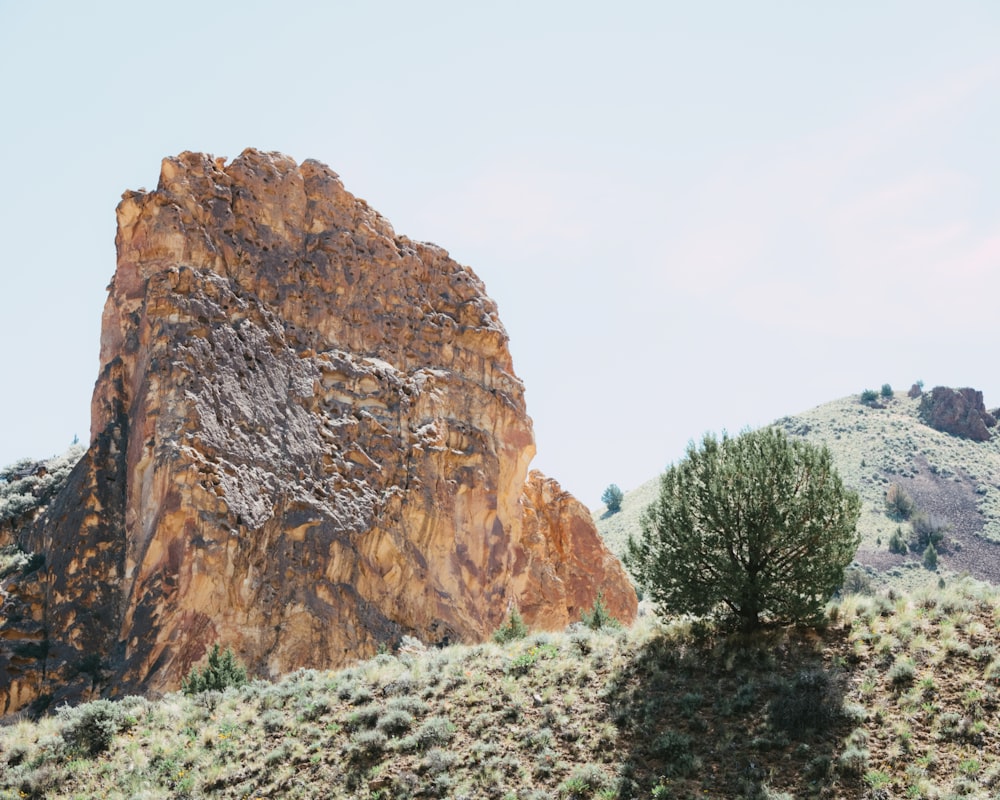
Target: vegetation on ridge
x: 896, y: 696
x: 27, y: 485
x: 952, y: 480
x: 612, y: 498
x: 26, y: 488
x: 755, y: 529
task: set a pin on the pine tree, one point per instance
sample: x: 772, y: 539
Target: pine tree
x: 612, y: 498
x: 223, y: 670
x: 754, y: 529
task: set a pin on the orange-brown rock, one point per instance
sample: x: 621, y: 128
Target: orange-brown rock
x: 960, y: 412
x: 307, y: 440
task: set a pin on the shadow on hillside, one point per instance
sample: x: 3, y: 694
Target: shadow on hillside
x: 729, y: 716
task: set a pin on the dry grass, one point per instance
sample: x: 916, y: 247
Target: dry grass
x: 898, y: 697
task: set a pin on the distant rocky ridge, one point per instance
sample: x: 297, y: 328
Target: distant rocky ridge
x: 307, y: 440
x: 953, y: 478
x: 960, y: 412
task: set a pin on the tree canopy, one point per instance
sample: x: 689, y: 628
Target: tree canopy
x: 755, y: 529
x: 612, y: 498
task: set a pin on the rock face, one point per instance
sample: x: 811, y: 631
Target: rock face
x: 960, y: 412
x: 307, y: 440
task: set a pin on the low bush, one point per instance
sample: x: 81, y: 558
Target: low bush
x: 395, y: 722
x: 810, y: 701
x: 674, y: 750
x: 869, y: 397
x: 89, y: 729
x: 583, y: 782
x: 857, y: 580
x: 223, y: 670
x: 434, y: 732
x: 367, y: 747
x: 599, y: 617
x: 902, y: 672
x: 897, y: 543
x: 612, y: 498
x: 513, y: 628
x: 927, y: 530
x: 26, y: 486
x: 364, y: 717
x: 930, y: 558
x: 854, y: 760
x: 898, y: 503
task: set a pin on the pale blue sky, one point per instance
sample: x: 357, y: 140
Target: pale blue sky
x: 693, y: 216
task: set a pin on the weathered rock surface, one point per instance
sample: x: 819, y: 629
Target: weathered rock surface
x: 307, y: 440
x: 960, y: 412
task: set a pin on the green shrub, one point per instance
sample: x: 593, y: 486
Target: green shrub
x: 689, y: 703
x: 437, y: 760
x: 673, y: 749
x: 897, y: 543
x: 411, y: 705
x: 434, y: 732
x: 367, y: 746
x: 599, y: 617
x: 886, y: 391
x: 513, y: 628
x: 583, y: 782
x: 671, y: 744
x: 930, y: 558
x: 272, y: 721
x: 223, y: 670
x: 746, y: 696
x: 395, y: 722
x: 856, y: 581
x: 927, y: 529
x: 811, y: 701
x: 359, y: 695
x: 877, y: 780
x: 364, y: 717
x: 27, y: 486
x: 869, y: 397
x: 612, y: 498
x: 315, y: 709
x: 89, y: 729
x: 902, y: 673
x: 522, y: 663
x: 854, y: 760
x: 898, y: 504
x: 755, y: 529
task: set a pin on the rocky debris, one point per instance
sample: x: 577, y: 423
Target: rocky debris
x: 960, y: 412
x: 308, y: 441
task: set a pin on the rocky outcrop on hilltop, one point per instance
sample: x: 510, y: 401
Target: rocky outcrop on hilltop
x: 960, y: 412
x: 307, y: 440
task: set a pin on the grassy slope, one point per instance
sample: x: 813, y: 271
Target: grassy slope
x: 952, y: 478
x: 910, y: 706
x: 897, y: 697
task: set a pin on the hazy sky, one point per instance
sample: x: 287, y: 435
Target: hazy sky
x: 694, y: 216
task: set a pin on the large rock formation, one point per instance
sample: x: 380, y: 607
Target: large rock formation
x: 960, y: 412
x: 307, y: 440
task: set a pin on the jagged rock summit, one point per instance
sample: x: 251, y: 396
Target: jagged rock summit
x: 960, y: 412
x: 307, y: 440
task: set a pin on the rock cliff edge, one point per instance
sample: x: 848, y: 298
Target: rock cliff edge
x: 307, y: 440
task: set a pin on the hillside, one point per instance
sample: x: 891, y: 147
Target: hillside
x: 949, y: 478
x: 897, y: 696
